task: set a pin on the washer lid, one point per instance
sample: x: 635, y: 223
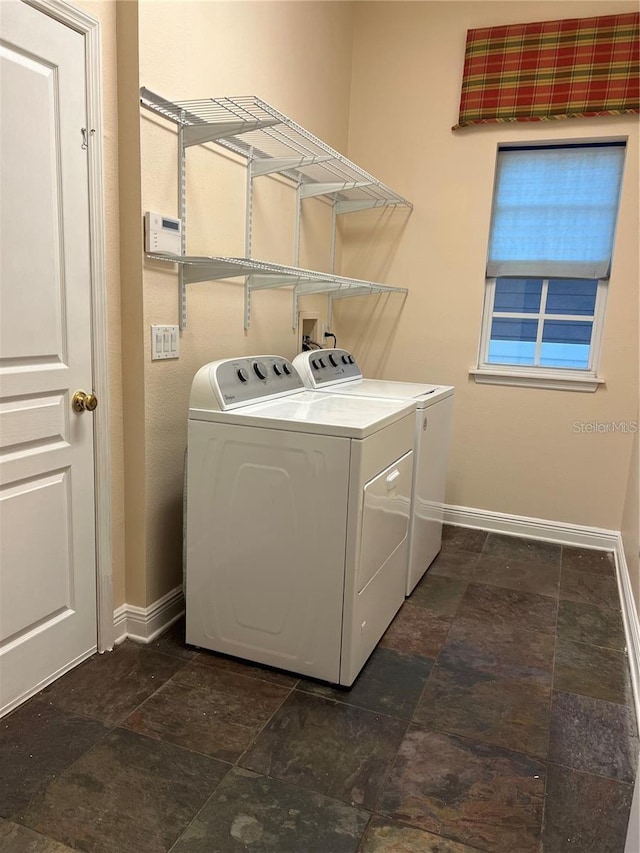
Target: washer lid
x: 336, y: 371
x: 422, y: 395
x: 315, y: 412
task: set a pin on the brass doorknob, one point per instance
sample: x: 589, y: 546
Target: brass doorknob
x: 81, y: 402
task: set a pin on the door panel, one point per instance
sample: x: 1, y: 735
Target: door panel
x: 43, y: 418
x: 32, y: 211
x: 47, y: 572
x: 42, y: 585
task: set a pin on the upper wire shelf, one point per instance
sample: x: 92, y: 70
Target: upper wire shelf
x: 274, y: 144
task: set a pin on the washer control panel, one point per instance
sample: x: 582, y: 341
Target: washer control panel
x: 320, y: 367
x: 241, y: 381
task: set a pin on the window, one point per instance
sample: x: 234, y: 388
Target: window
x: 543, y: 322
x: 550, y: 246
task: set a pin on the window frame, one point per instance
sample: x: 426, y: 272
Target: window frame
x: 576, y: 379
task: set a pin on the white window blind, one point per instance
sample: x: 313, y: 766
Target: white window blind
x: 554, y: 211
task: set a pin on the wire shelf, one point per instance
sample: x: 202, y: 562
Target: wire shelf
x: 263, y: 275
x: 273, y: 144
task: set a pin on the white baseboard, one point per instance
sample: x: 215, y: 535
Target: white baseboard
x: 532, y: 528
x: 144, y: 624
x: 568, y: 534
x: 631, y: 622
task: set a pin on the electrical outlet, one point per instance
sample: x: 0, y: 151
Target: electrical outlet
x: 165, y: 342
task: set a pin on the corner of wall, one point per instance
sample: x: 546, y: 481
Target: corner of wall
x: 131, y: 237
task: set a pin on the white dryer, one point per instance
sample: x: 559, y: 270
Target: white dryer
x: 297, y: 518
x: 336, y: 371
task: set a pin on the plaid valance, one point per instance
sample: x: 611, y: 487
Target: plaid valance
x: 551, y: 70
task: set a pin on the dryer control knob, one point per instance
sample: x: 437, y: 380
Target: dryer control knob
x: 276, y: 370
x: 243, y: 376
x: 321, y: 362
x: 314, y: 363
x: 260, y: 370
x: 333, y: 359
x: 351, y: 359
x: 287, y: 368
x: 345, y: 359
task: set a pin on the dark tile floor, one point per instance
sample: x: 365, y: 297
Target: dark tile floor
x: 495, y: 715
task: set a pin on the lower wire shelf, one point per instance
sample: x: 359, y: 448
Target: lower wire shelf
x: 261, y: 275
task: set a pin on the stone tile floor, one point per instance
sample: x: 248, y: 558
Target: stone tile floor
x: 495, y: 715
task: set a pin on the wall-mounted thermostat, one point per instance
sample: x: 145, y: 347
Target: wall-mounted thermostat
x: 163, y: 234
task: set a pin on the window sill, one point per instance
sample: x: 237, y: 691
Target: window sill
x: 551, y: 380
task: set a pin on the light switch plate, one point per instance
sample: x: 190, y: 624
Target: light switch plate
x: 165, y: 342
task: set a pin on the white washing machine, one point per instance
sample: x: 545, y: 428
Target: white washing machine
x: 336, y: 371
x: 297, y: 518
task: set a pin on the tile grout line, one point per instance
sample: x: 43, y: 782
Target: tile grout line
x: 551, y: 692
x: 262, y: 729
x: 199, y: 812
x: 591, y: 773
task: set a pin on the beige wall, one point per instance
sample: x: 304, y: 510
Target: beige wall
x: 297, y: 57
x: 514, y: 450
x: 133, y: 340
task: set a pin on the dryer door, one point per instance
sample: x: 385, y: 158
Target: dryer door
x: 385, y: 518
x: 382, y: 565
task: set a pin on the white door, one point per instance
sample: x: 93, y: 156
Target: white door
x: 47, y: 524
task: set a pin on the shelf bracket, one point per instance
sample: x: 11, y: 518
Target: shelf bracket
x: 266, y: 281
x: 197, y: 134
x: 334, y: 226
x: 311, y: 190
x: 296, y: 234
x: 294, y: 309
x: 349, y: 206
x: 182, y: 215
x: 248, y: 221
x: 271, y: 165
x: 247, y: 303
x: 367, y: 291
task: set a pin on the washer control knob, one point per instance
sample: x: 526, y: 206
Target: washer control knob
x: 243, y: 376
x: 314, y: 363
x: 287, y: 368
x: 351, y: 359
x: 276, y: 370
x: 260, y: 370
x: 321, y: 362
x: 345, y: 359
x: 333, y: 360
